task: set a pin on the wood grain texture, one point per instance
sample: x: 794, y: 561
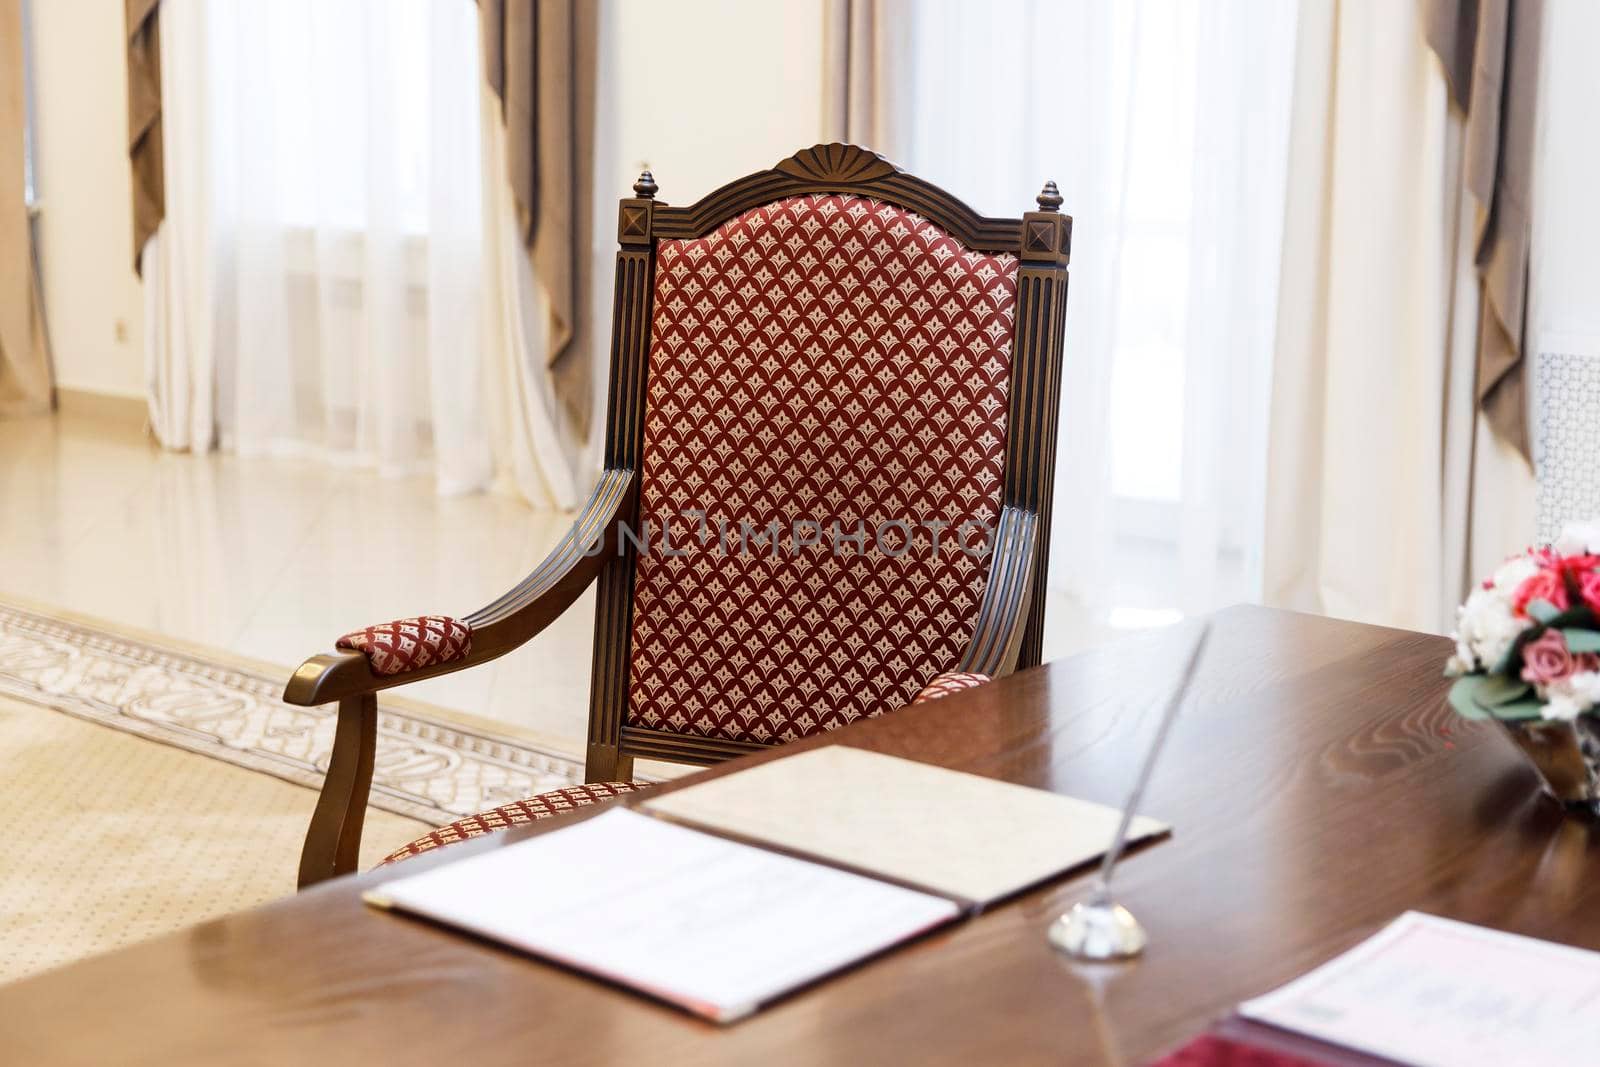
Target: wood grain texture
x: 333, y: 841
x: 1317, y: 784
x: 333, y: 838
x: 840, y: 168
x: 605, y: 760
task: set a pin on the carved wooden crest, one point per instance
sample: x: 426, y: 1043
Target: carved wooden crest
x: 836, y: 163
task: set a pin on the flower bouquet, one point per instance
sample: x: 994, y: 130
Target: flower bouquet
x: 1528, y: 656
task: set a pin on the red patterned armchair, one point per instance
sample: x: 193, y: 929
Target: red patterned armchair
x: 828, y: 464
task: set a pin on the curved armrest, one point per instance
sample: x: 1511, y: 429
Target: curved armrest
x: 1003, y: 615
x: 499, y: 627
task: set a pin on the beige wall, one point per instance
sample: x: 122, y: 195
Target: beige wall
x: 701, y: 92
x: 85, y: 228
x: 706, y: 91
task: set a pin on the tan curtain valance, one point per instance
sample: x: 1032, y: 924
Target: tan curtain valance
x: 868, y: 57
x: 25, y: 377
x: 144, y: 120
x: 538, y: 58
x: 1490, y: 53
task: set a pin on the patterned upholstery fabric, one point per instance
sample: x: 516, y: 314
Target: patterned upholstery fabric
x: 826, y: 359
x: 517, y: 812
x: 411, y: 644
x: 950, y: 682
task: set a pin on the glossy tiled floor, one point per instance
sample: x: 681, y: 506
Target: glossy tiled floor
x: 273, y: 559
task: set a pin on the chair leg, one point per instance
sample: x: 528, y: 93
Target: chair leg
x: 333, y: 842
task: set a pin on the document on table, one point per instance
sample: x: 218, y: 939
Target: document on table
x: 945, y: 831
x: 1433, y: 992
x: 708, y: 924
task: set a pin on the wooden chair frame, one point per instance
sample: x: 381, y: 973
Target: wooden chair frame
x: 1010, y: 627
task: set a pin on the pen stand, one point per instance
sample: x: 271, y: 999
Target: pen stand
x: 1099, y: 930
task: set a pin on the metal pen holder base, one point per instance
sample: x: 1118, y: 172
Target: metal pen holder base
x: 1098, y: 930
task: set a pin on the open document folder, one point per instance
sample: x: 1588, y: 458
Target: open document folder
x: 948, y: 832
x: 720, y: 927
x: 711, y: 925
x: 1434, y: 992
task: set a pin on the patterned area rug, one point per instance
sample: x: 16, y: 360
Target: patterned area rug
x: 120, y: 839
x: 428, y: 767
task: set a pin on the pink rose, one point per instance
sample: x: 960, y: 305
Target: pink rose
x: 1549, y: 557
x: 1547, y: 584
x: 1589, y: 589
x: 1546, y: 659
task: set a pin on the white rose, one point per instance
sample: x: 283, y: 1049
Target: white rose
x: 1572, y: 696
x: 1486, y: 626
x: 1562, y: 706
x: 1577, y: 538
x: 1511, y: 574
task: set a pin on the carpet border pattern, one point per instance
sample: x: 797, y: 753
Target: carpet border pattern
x: 426, y: 767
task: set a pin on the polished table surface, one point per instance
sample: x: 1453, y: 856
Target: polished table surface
x: 1317, y: 784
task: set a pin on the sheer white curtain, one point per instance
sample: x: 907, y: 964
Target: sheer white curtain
x: 1165, y: 125
x: 1388, y: 494
x: 331, y: 275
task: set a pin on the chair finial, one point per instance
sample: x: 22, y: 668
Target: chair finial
x: 646, y: 186
x: 1049, y: 197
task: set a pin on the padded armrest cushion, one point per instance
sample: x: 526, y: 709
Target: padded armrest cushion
x: 411, y: 644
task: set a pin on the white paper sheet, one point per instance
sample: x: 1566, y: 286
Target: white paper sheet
x: 945, y: 831
x: 714, y: 926
x: 1434, y: 992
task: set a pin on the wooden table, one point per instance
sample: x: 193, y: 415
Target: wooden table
x: 1318, y: 786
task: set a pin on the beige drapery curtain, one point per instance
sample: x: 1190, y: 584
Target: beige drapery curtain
x: 533, y: 457
x: 539, y: 59
x: 1386, y: 489
x: 143, y: 22
x: 1490, y: 53
x: 868, y: 58
x: 860, y: 46
x: 25, y: 377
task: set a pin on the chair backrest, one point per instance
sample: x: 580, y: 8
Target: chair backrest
x: 836, y: 387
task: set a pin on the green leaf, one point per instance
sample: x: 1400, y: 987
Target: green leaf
x: 1542, y: 610
x: 1498, y: 689
x: 1531, y: 708
x: 1489, y: 696
x: 1461, y: 697
x: 1581, y: 640
x: 1579, y: 616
